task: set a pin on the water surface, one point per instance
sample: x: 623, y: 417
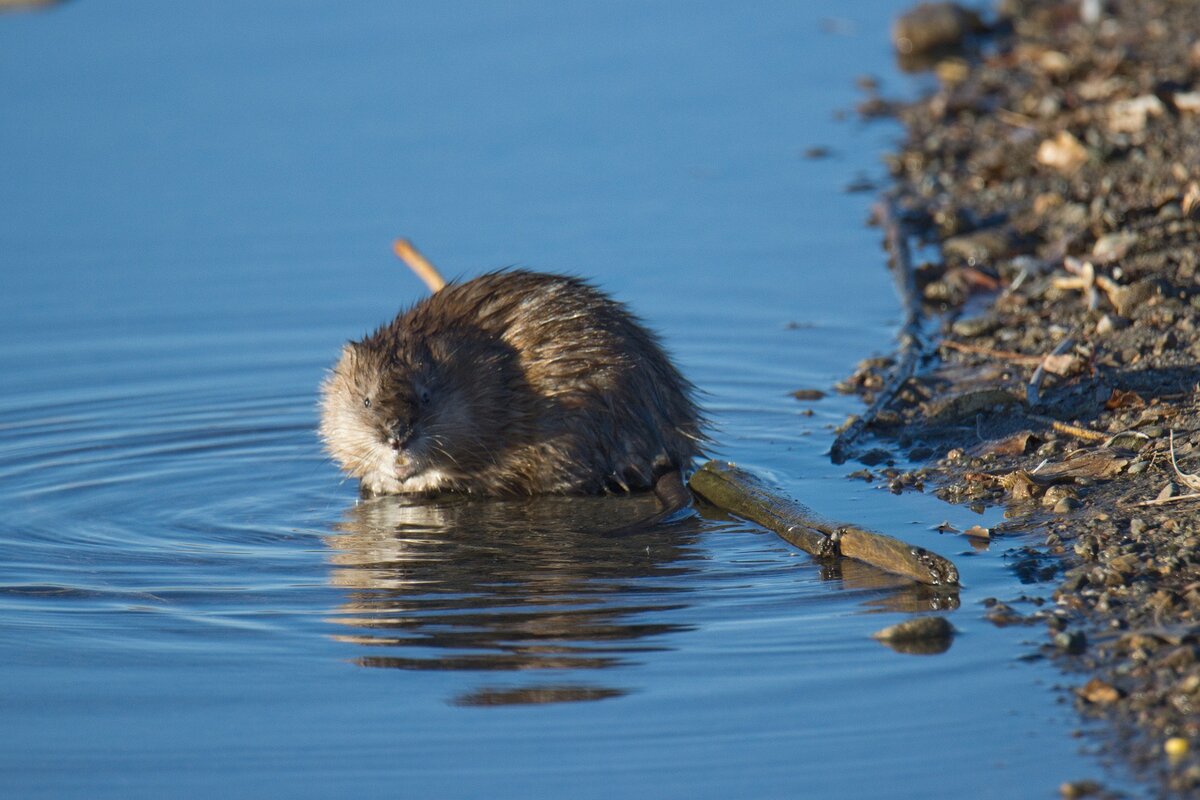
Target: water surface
x: 197, y: 205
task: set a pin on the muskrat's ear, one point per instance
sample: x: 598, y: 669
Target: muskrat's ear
x: 349, y: 350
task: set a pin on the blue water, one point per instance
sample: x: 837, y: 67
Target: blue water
x: 196, y: 207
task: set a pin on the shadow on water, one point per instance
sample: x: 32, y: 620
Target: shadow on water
x: 533, y: 584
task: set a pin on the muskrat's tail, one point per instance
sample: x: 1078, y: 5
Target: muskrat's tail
x: 673, y: 494
x: 676, y: 501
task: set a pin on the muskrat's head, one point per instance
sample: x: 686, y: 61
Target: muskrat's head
x: 418, y: 417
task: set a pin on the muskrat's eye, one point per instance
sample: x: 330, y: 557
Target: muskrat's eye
x: 425, y: 396
x: 366, y: 402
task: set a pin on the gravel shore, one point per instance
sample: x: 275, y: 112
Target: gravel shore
x: 1051, y: 187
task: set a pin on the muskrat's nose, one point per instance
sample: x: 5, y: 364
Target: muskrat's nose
x: 398, y: 434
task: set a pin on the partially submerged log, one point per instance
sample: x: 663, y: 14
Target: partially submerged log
x: 744, y: 495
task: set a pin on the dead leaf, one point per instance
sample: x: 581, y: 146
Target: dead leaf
x: 1124, y: 399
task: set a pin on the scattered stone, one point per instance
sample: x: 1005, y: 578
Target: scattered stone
x: 1003, y: 615
x: 918, y: 636
x: 1072, y: 643
x: 1113, y: 246
x: 978, y: 532
x: 1063, y: 152
x: 1066, y: 505
x: 934, y: 26
x: 1176, y: 748
x: 876, y: 456
x: 1075, y: 790
x: 1130, y: 116
x: 1186, y: 102
x: 1097, y: 692
x: 974, y: 326
x: 808, y: 394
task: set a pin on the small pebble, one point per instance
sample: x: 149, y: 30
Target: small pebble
x: 1070, y: 642
x: 915, y: 629
x: 1176, y: 747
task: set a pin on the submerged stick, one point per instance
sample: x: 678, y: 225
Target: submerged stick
x: 744, y: 495
x: 424, y: 270
x: 900, y: 261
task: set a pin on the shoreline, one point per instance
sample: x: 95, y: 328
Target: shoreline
x: 1052, y: 184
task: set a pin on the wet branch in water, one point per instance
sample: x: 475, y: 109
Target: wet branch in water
x: 741, y: 493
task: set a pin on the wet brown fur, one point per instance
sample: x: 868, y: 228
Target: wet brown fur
x: 515, y: 382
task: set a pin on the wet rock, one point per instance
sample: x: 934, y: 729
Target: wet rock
x: 1076, y: 790
x: 934, y: 26
x: 918, y: 636
x: 876, y: 456
x: 975, y: 326
x: 1003, y: 615
x: 1071, y: 642
x: 1097, y: 692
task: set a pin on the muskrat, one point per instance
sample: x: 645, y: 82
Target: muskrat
x: 513, y: 383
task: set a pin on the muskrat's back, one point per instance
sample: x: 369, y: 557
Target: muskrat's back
x: 513, y: 383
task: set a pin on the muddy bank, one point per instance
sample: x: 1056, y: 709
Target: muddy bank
x: 1049, y: 188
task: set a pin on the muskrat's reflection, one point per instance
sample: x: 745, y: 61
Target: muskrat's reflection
x: 507, y: 586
